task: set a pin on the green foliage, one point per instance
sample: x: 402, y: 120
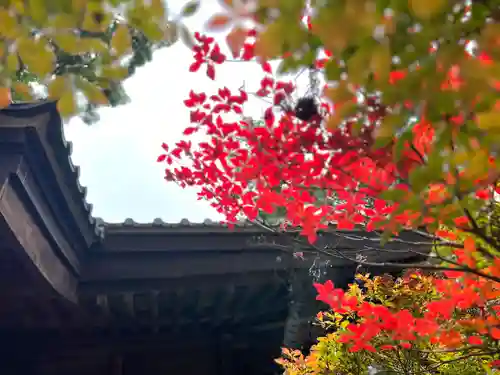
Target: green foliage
x: 81, y: 51
x: 413, y: 55
x: 331, y: 355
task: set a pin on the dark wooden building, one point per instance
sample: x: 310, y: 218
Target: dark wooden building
x: 82, y: 297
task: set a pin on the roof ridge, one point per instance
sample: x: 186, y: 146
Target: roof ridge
x: 159, y: 222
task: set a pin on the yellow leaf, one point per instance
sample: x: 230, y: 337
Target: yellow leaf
x: 235, y: 40
x: 57, y: 88
x: 381, y: 60
x: 118, y: 73
x: 43, y: 64
x: 136, y: 16
x: 339, y: 93
x: 69, y: 43
x: 488, y: 120
x: 93, y: 93
x: 153, y: 31
x: 8, y: 25
x: 38, y: 58
x: 121, y: 40
x: 93, y: 45
x: 488, y: 39
x: 67, y: 105
x: 12, y: 64
x: 269, y: 3
x: 218, y: 21
x: 389, y: 126
x: 18, y: 6
x: 269, y: 42
x: 342, y: 113
x: 95, y: 19
x: 158, y: 8
x: 63, y: 21
x: 478, y: 166
x: 389, y: 25
x: 356, y: 65
x: 461, y: 157
x: 333, y: 121
x: 38, y: 10
x: 332, y: 28
x: 3, y: 50
x: 427, y: 9
x: 78, y: 5
x: 26, y: 48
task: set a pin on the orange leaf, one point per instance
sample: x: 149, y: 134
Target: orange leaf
x: 5, y: 97
x: 235, y: 40
x: 495, y: 333
x: 469, y: 244
x: 218, y: 22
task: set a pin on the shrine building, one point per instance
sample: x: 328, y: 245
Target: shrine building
x: 79, y: 296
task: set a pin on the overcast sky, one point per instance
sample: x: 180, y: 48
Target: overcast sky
x: 117, y: 156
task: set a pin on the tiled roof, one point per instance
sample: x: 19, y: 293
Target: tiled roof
x: 158, y: 225
x: 63, y: 154
x: 158, y: 222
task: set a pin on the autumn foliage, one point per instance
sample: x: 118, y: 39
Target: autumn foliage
x: 398, y: 326
x: 406, y: 139
x: 81, y: 51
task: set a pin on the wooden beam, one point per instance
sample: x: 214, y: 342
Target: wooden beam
x: 194, y: 237
x: 32, y: 247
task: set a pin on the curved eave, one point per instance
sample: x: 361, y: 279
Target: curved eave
x: 49, y: 154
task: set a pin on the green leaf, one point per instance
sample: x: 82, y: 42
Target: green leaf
x: 393, y: 195
x: 381, y: 61
x: 66, y: 105
x: 186, y: 36
x: 121, y: 40
x: 487, y: 369
x: 489, y: 121
x: 400, y: 144
x: 270, y: 42
x: 427, y: 9
x: 390, y: 125
x: 190, y: 8
x: 356, y: 65
x: 38, y: 10
x: 382, y: 5
x: 435, y: 164
x: 419, y: 179
x: 382, y: 142
x: 333, y: 71
x: 289, y: 65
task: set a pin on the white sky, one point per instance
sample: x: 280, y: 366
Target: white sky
x: 117, y: 156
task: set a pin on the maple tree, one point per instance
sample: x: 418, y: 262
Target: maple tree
x: 399, y: 315
x: 81, y: 51
x: 405, y: 138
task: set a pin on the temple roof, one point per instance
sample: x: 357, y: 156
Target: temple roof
x: 51, y: 131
